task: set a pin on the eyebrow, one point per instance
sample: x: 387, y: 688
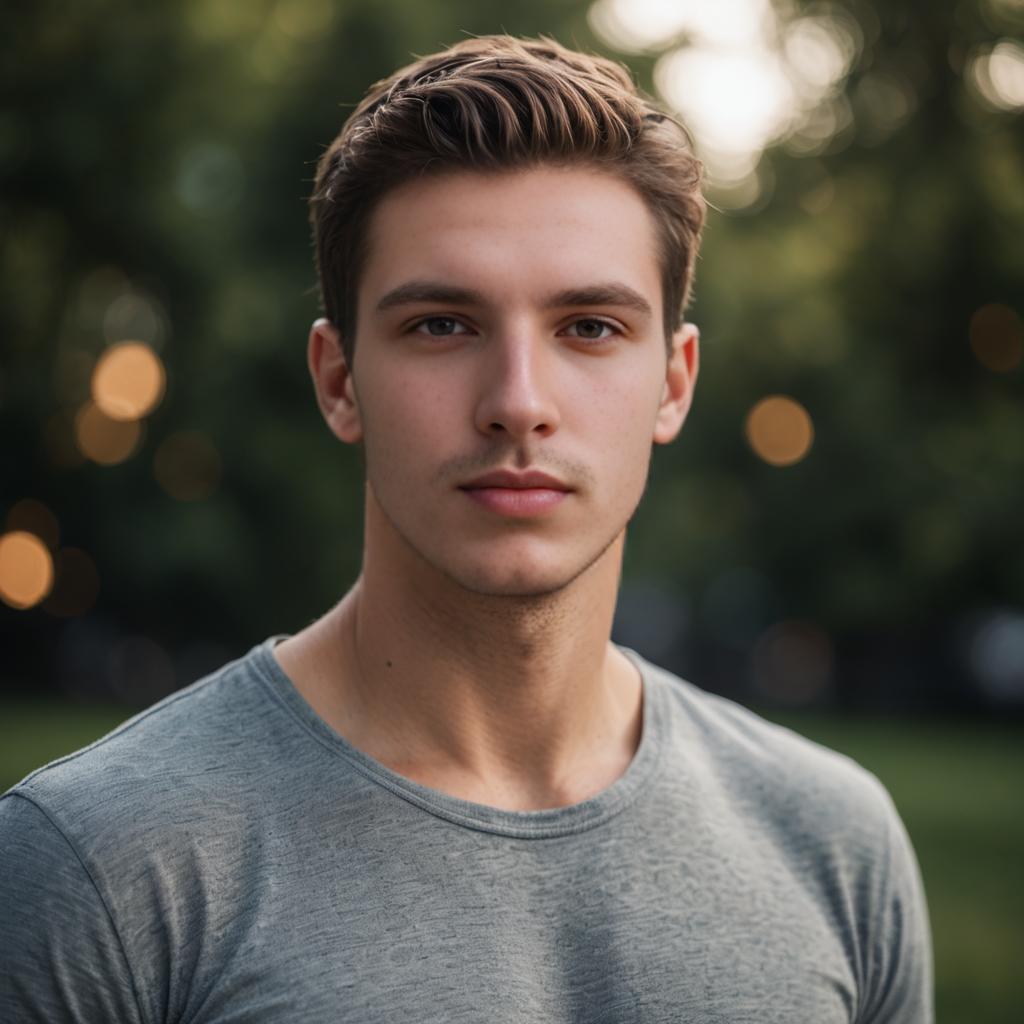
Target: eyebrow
x: 611, y: 293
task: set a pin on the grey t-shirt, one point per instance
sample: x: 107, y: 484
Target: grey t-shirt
x: 226, y: 856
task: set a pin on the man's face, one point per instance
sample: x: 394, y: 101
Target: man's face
x: 512, y: 324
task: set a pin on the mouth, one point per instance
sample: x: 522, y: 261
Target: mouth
x: 508, y: 479
x: 517, y: 495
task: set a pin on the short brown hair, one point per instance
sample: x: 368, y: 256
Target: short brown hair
x: 496, y: 103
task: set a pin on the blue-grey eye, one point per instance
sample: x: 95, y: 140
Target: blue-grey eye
x: 439, y: 326
x: 590, y: 330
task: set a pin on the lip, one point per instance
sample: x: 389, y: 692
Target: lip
x: 508, y: 479
x: 517, y: 495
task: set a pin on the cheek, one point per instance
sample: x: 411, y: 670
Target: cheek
x: 409, y: 399
x: 405, y: 420
x: 625, y: 424
x: 625, y: 409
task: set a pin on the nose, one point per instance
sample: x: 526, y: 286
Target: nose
x: 516, y: 392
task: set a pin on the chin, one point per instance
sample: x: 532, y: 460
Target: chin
x: 511, y: 567
x: 527, y: 578
x: 519, y: 586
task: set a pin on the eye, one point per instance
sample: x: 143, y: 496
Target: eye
x: 438, y: 326
x: 589, y: 329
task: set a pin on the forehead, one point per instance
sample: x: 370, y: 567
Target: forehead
x: 513, y: 235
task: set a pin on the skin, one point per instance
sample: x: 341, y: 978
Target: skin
x: 472, y: 654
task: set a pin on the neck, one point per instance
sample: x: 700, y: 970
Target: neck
x: 516, y: 701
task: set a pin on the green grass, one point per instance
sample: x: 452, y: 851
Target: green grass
x: 959, y: 789
x: 32, y: 733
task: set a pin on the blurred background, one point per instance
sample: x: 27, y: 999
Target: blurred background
x: 835, y: 540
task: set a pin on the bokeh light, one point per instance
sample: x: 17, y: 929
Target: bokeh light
x: 128, y: 381
x: 210, y: 178
x: 997, y: 74
x: 138, y: 315
x: 105, y: 440
x: 735, y: 103
x: 76, y: 586
x: 639, y: 25
x: 815, y: 53
x: 996, y: 654
x: 187, y: 465
x: 742, y: 74
x: 94, y: 296
x: 997, y: 337
x: 780, y: 431
x: 792, y: 663
x: 26, y: 569
x: 31, y: 516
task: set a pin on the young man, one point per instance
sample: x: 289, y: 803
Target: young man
x: 452, y: 798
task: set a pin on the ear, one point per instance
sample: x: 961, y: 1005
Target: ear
x: 332, y: 381
x: 680, y: 378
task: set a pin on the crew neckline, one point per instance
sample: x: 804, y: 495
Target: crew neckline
x: 540, y: 824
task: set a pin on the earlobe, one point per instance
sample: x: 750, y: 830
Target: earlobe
x: 680, y: 378
x: 333, y: 383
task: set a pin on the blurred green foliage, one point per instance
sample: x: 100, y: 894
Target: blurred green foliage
x: 165, y: 150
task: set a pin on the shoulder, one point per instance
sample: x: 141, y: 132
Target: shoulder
x: 97, y: 846
x: 144, y: 771
x: 805, y: 795
x: 828, y: 822
x: 824, y: 822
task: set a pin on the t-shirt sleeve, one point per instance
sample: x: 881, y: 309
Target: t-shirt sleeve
x: 900, y: 968
x: 61, y: 959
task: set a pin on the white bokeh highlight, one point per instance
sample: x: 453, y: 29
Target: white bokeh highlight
x: 741, y: 75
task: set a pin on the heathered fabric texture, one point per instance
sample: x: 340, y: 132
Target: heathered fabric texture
x: 226, y: 856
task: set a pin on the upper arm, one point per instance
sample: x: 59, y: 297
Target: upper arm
x: 61, y: 958
x: 900, y: 969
